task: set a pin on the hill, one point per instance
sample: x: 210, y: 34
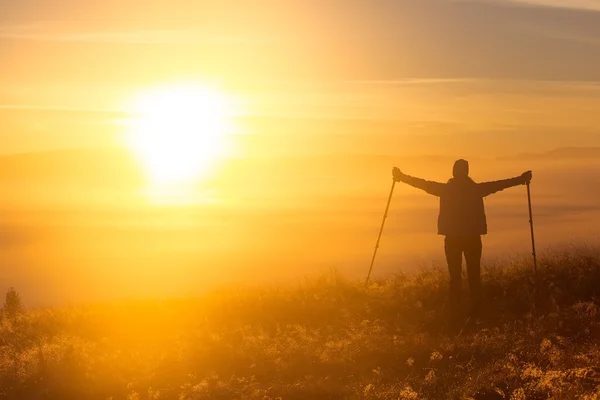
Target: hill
x: 323, y: 339
x: 561, y: 153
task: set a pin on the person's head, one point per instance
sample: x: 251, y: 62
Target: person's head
x: 461, y: 168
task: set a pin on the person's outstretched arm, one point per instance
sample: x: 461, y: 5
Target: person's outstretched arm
x: 487, y: 188
x: 434, y: 188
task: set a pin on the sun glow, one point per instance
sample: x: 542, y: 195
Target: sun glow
x: 180, y: 132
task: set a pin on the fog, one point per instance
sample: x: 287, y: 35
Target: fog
x: 77, y: 226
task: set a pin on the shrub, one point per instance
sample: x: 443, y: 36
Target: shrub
x: 12, y: 305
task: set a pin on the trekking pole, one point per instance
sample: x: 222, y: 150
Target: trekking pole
x: 531, y: 225
x: 387, y: 207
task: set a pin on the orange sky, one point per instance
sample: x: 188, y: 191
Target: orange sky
x: 495, y: 69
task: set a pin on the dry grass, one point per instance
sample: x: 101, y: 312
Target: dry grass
x: 324, y: 339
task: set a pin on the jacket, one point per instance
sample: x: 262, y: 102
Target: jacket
x: 462, y: 212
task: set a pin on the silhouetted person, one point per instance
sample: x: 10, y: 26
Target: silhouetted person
x: 462, y: 221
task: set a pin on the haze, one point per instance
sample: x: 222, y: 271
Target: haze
x: 328, y: 97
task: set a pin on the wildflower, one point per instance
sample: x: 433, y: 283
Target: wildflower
x: 430, y: 377
x: 551, y: 380
x: 513, y: 358
x: 436, y: 356
x: 518, y: 394
x: 408, y: 394
x: 545, y: 345
x: 133, y: 396
x: 531, y: 371
x: 579, y: 373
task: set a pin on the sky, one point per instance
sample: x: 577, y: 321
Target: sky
x: 329, y: 95
x: 437, y: 67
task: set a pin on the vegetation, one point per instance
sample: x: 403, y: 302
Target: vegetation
x: 323, y: 339
x: 12, y: 305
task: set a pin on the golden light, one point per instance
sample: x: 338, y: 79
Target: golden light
x: 180, y: 132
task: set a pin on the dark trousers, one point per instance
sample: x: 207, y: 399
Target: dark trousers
x: 455, y: 246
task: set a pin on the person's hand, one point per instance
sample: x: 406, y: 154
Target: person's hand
x: 397, y: 174
x: 526, y: 176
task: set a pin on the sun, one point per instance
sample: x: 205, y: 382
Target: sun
x: 180, y: 132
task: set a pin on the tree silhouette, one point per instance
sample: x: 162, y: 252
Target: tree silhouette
x: 12, y: 304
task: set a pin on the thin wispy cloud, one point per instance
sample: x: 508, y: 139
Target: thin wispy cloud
x: 572, y: 4
x: 417, y: 81
x: 151, y: 36
x: 488, y: 83
x: 57, y: 108
x: 592, y: 5
x: 567, y: 36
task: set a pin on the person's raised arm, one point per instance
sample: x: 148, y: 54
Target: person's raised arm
x: 433, y: 188
x: 487, y: 188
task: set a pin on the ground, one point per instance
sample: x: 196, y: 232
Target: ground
x: 326, y: 338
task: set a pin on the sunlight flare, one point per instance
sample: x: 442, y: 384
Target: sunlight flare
x: 180, y: 132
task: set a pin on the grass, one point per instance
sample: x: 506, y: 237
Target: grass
x: 323, y: 339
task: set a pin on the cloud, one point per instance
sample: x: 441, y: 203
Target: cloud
x: 35, y: 107
x: 573, y: 4
x: 40, y: 32
x: 418, y: 81
x: 592, y: 5
x: 575, y: 36
x: 379, y: 41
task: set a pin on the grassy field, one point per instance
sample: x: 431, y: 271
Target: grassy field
x: 323, y: 339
